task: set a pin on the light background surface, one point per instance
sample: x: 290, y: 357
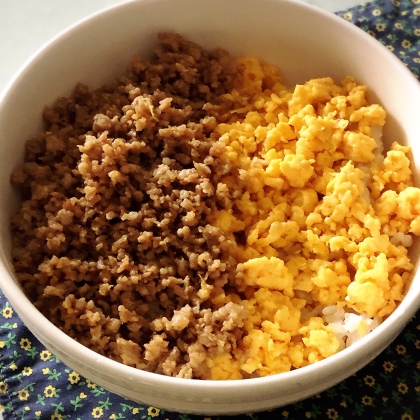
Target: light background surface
x: 26, y: 25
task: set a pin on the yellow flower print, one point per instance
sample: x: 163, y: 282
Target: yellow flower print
x: 416, y: 12
x: 366, y: 400
x: 3, y: 387
x: 376, y: 12
x: 56, y: 416
x: 153, y: 412
x: 396, y: 2
x: 348, y: 15
x: 402, y: 387
x: 308, y: 415
x: 7, y: 312
x: 113, y: 416
x: 371, y: 33
x: 27, y: 371
x: 135, y: 410
x: 46, y: 371
x: 13, y: 367
x: 38, y: 413
x: 332, y: 414
x: 399, y: 25
x: 2, y: 344
x: 25, y: 344
x: 390, y: 47
x: 23, y: 394
x: 285, y: 413
x: 90, y: 384
x: 49, y: 391
x: 401, y: 349
x: 416, y: 1
x: 388, y: 366
x: 407, y: 416
x: 82, y: 395
x: 417, y: 31
x: 417, y: 342
x: 343, y: 404
x: 369, y: 380
x: 45, y: 355
x: 2, y: 408
x: 406, y: 43
x: 416, y: 60
x: 74, y: 377
x: 97, y: 412
x: 380, y: 27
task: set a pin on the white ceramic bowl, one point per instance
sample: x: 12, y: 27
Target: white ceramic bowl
x: 305, y: 42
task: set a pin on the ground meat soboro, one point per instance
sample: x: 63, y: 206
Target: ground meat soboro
x: 111, y: 241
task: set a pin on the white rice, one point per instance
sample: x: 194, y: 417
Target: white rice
x: 401, y: 239
x: 348, y: 326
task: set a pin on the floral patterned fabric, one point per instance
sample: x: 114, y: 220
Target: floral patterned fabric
x: 394, y: 23
x: 35, y: 385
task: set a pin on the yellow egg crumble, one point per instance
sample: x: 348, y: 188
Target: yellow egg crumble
x: 327, y: 217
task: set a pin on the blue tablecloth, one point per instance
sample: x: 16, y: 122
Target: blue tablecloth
x: 35, y: 385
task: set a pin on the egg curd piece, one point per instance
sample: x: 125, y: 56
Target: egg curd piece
x: 265, y: 356
x: 270, y: 273
x: 274, y: 319
x: 319, y: 339
x: 297, y: 169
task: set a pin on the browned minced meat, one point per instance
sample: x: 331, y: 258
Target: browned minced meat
x: 111, y: 241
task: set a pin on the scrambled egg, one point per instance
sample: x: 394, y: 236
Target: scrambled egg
x: 326, y: 216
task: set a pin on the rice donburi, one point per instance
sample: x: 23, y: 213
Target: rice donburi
x: 197, y: 218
